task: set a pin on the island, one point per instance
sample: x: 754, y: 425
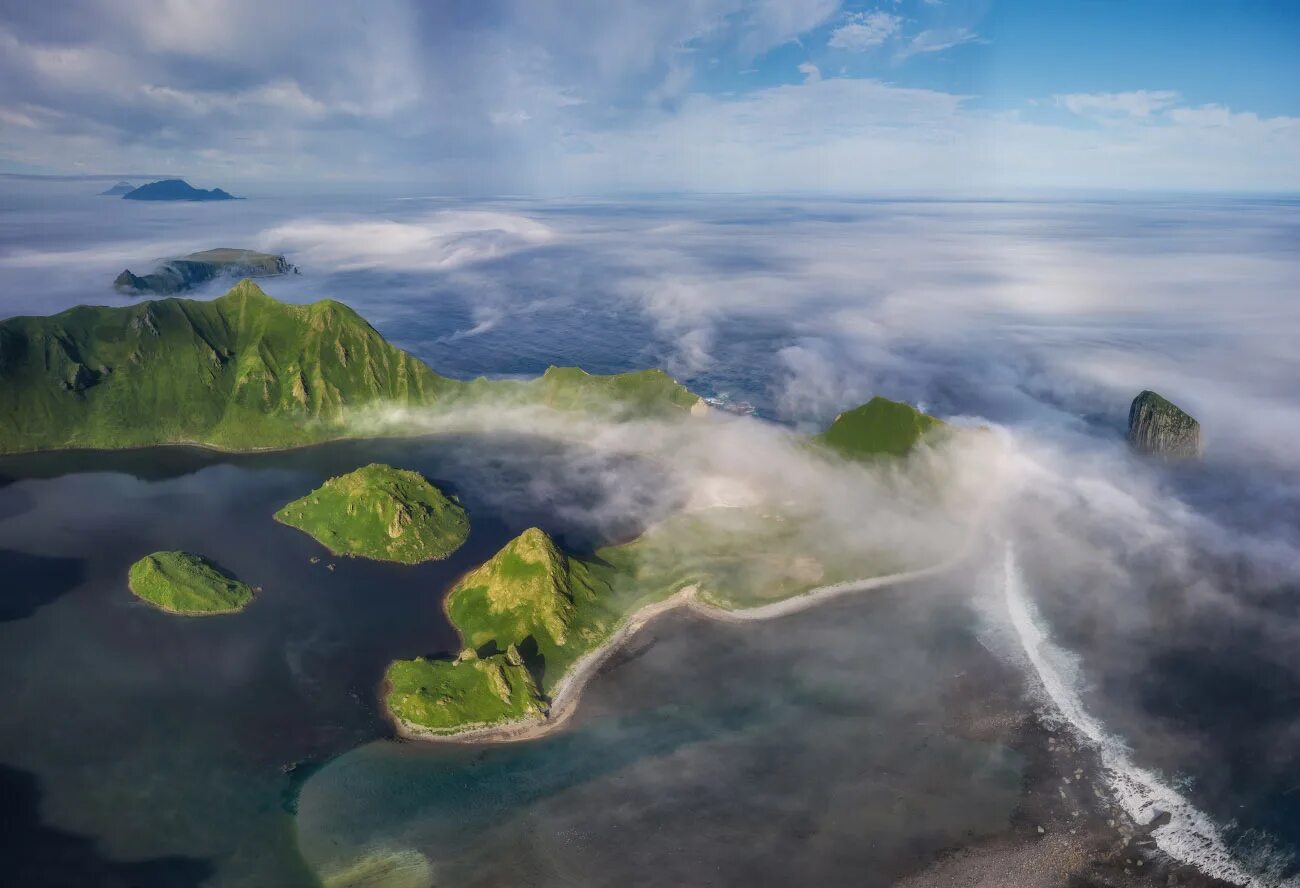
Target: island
x: 1157, y: 427
x: 879, y: 428
x: 382, y: 513
x: 176, y: 189
x: 118, y: 190
x: 245, y: 371
x: 194, y: 269
x: 187, y: 584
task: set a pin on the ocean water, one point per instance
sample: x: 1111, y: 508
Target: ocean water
x: 249, y: 750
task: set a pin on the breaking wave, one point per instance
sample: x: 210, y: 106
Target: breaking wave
x: 1189, y: 835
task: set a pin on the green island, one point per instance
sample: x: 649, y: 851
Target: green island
x: 187, y: 584
x: 247, y: 372
x: 382, y: 513
x: 531, y: 612
x: 879, y: 428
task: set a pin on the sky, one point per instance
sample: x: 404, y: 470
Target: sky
x: 602, y: 96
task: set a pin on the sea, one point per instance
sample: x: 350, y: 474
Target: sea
x: 1153, y: 609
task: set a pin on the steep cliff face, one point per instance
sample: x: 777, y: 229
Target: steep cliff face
x: 1159, y: 427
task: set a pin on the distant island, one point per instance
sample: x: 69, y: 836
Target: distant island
x: 187, y: 584
x: 247, y: 372
x: 187, y: 272
x: 382, y: 513
x: 118, y: 190
x: 175, y: 189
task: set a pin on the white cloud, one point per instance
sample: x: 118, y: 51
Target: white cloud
x: 865, y: 30
x: 441, y: 241
x: 811, y: 73
x: 937, y: 40
x: 1139, y: 104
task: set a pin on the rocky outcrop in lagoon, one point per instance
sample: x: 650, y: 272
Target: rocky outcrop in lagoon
x: 1160, y: 428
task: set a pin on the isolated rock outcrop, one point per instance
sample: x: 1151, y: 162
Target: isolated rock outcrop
x: 1161, y: 428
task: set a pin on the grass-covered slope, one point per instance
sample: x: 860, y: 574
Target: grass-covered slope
x: 537, y: 598
x: 880, y: 427
x: 244, y: 372
x: 445, y: 696
x: 383, y: 513
x: 182, y: 583
x: 531, y: 606
x: 240, y: 372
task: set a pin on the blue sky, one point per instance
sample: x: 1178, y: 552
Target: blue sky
x: 598, y: 96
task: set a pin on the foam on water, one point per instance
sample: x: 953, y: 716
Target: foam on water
x: 1190, y: 835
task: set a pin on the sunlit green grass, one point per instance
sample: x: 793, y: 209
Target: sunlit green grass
x: 382, y: 513
x: 183, y: 583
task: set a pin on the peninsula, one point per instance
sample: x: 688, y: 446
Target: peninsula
x: 187, y: 584
x: 247, y: 372
x: 382, y: 513
x: 186, y: 272
x: 176, y: 189
x: 536, y: 622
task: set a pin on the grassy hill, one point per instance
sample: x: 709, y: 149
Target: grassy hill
x: 880, y: 427
x: 182, y: 583
x: 445, y: 696
x: 383, y: 513
x: 244, y: 372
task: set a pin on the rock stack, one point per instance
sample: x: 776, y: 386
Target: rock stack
x: 1160, y: 428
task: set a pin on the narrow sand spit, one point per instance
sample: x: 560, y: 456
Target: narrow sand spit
x: 569, y: 689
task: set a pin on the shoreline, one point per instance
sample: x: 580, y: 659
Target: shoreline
x: 568, y: 690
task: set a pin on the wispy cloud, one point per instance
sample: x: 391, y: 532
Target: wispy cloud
x: 936, y: 40
x: 1137, y: 104
x: 865, y: 30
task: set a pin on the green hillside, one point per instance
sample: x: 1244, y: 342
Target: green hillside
x: 244, y: 372
x: 182, y: 583
x: 880, y: 427
x: 383, y: 513
x: 445, y: 696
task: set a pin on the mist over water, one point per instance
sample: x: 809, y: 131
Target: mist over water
x: 1175, y: 587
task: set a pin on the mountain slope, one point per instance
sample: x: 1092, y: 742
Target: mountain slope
x: 245, y: 371
x: 240, y: 372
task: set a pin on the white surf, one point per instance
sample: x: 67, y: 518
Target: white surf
x: 1190, y: 835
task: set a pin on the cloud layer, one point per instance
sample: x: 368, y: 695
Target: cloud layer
x: 547, y: 97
